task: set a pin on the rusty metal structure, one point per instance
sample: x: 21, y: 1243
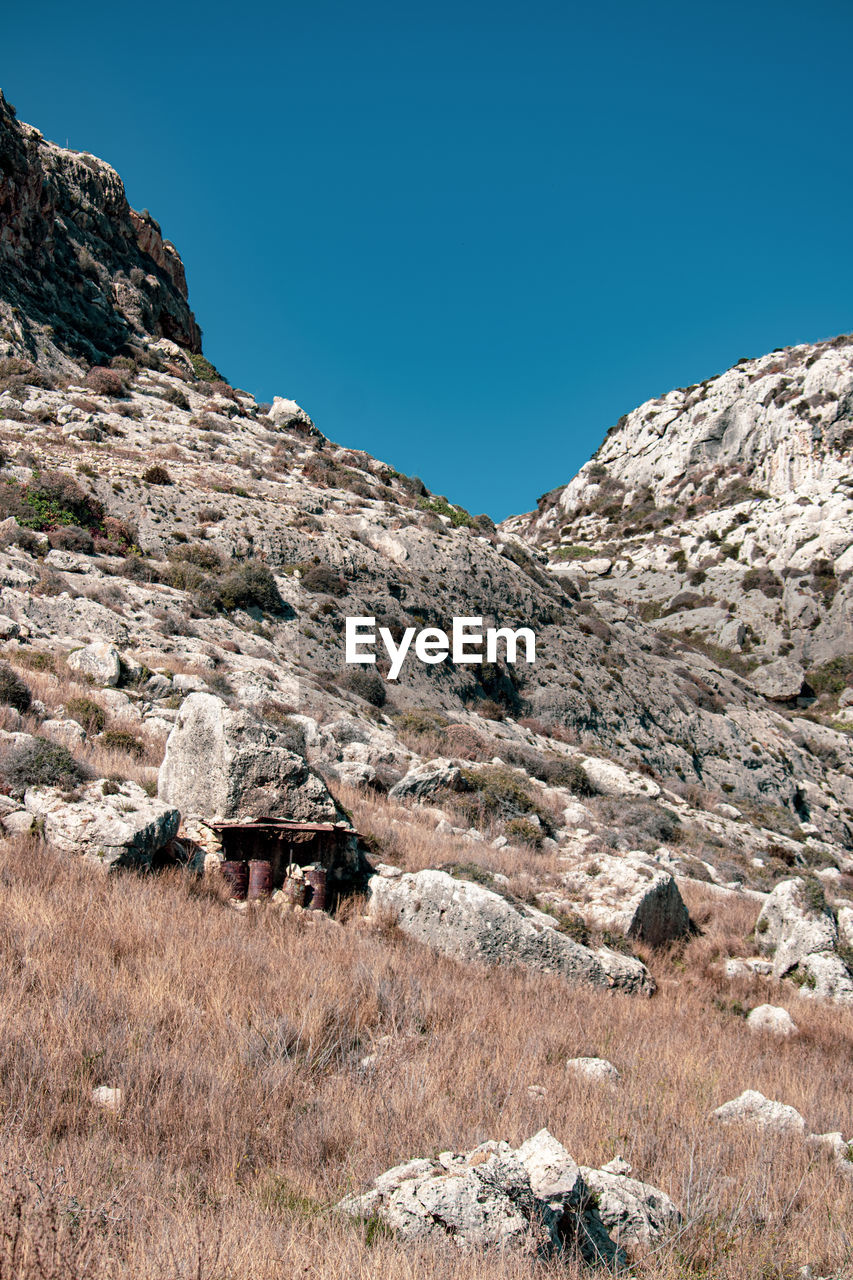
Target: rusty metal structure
x: 260, y: 855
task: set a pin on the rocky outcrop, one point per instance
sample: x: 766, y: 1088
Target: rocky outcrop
x: 799, y: 929
x: 533, y: 1200
x: 473, y: 923
x: 112, y: 824
x: 629, y: 895
x: 82, y: 274
x: 222, y: 764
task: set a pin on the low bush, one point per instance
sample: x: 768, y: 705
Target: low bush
x: 106, y: 382
x: 14, y: 692
x: 366, y: 683
x: 124, y: 741
x: 42, y: 764
x: 246, y: 585
x: 72, y: 538
x: 87, y: 712
x: 320, y: 579
x: 157, y: 475
x: 524, y: 831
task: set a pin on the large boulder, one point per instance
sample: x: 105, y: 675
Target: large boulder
x: 629, y: 895
x: 428, y: 778
x: 113, y: 824
x: 769, y: 1019
x: 794, y: 924
x: 523, y: 1201
x: 610, y: 779
x: 101, y: 662
x: 222, y: 763
x: 780, y: 681
x: 471, y: 922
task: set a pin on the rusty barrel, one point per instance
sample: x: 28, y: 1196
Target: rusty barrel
x: 260, y: 879
x: 236, y: 876
x: 294, y: 891
x: 316, y: 880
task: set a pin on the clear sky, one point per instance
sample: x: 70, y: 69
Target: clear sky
x: 465, y: 236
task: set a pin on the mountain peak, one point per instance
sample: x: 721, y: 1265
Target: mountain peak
x: 84, y: 276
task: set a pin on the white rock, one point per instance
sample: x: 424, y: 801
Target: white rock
x: 101, y: 661
x: 108, y: 1098
x: 594, y: 1069
x: 752, y: 1108
x: 771, y: 1020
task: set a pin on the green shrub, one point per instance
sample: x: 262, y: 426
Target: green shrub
x: 87, y: 712
x: 124, y: 741
x: 249, y: 584
x: 52, y: 499
x: 43, y: 764
x: 458, y: 516
x: 203, y: 369
x: 574, y: 925
x: 366, y: 683
x: 522, y: 829
x: 14, y: 692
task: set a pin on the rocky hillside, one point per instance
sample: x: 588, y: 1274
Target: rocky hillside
x: 724, y: 512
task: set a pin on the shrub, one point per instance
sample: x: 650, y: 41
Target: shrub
x: 172, y: 395
x: 55, y: 498
x: 196, y: 553
x: 500, y: 792
x: 490, y: 710
x: 524, y: 830
x: 14, y: 692
x: 43, y: 764
x: 157, y: 475
x: 123, y: 740
x: 366, y: 683
x: 458, y: 516
x: 321, y: 579
x: 87, y: 712
x: 249, y: 583
x: 203, y: 369
x: 72, y: 538
x: 106, y: 382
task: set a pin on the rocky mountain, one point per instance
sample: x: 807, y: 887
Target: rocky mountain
x: 83, y: 274
x: 216, y: 546
x: 570, y: 876
x: 724, y: 511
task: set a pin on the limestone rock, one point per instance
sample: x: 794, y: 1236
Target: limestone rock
x: 427, y: 778
x: 752, y: 1108
x: 612, y: 780
x: 634, y: 1213
x: 771, y: 1020
x: 791, y: 929
x: 221, y: 764
x: 781, y: 681
x: 629, y: 895
x: 471, y: 922
x: 119, y: 828
x: 594, y: 1069
x: 287, y: 413
x: 100, y: 661
x: 68, y: 733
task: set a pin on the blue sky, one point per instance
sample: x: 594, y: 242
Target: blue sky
x: 467, y: 237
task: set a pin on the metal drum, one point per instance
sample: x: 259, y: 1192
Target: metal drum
x: 260, y: 879
x: 236, y: 876
x: 294, y: 891
x: 316, y: 877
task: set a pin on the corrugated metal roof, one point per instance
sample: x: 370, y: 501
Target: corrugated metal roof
x: 279, y: 824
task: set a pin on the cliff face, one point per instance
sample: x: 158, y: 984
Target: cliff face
x: 82, y: 275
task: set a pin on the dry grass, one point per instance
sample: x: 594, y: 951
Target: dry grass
x: 238, y: 1040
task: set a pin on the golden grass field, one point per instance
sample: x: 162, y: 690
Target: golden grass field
x: 238, y: 1039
